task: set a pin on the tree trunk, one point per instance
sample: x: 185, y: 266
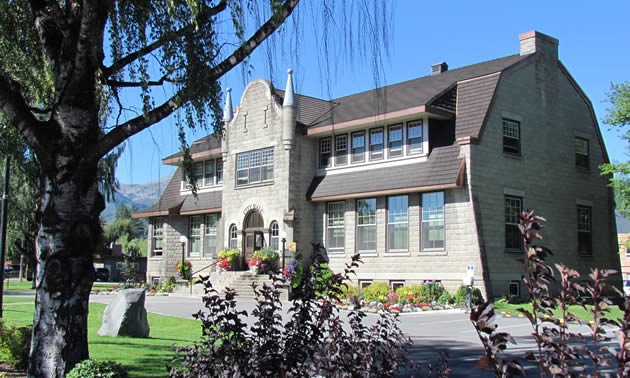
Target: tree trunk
x: 69, y: 232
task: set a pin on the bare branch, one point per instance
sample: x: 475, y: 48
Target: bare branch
x: 203, y: 17
x: 137, y: 84
x: 112, y: 139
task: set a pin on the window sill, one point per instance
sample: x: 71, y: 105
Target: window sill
x: 433, y: 252
x: 397, y: 253
x: 583, y: 169
x: 585, y: 254
x: 513, y: 251
x: 256, y: 185
x: 368, y: 254
x: 158, y: 257
x: 512, y: 156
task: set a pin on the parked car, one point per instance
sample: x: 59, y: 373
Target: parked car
x: 11, y: 271
x: 102, y: 274
x: 626, y: 287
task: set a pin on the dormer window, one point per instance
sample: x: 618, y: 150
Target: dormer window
x: 395, y: 138
x: 358, y: 147
x: 205, y: 173
x: 414, y: 137
x: 341, y: 150
x: 325, y: 152
x: 376, y: 144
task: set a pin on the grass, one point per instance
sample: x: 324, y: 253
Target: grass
x: 15, y: 284
x: 579, y: 311
x: 18, y: 299
x: 140, y: 357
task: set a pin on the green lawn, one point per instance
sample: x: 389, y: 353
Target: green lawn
x: 141, y: 357
x: 15, y: 284
x: 18, y: 299
x: 578, y: 311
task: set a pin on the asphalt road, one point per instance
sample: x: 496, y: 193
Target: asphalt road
x: 431, y: 333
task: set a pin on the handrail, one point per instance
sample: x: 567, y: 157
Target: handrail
x: 193, y: 273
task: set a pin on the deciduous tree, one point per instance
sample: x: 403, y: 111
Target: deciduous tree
x: 61, y: 63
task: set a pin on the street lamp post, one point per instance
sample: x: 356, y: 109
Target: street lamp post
x: 182, y: 239
x: 283, y: 235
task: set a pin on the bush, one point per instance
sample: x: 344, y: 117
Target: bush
x: 314, y: 340
x: 431, y: 292
x: 15, y: 343
x: 349, y: 290
x: 97, y: 369
x: 267, y: 254
x: 376, y: 290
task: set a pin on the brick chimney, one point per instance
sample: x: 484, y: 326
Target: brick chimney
x: 537, y: 42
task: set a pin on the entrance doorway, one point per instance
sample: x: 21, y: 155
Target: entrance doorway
x: 253, y: 236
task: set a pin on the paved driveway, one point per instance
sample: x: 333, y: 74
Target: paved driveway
x: 431, y: 332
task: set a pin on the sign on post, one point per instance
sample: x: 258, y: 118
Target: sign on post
x: 469, y: 280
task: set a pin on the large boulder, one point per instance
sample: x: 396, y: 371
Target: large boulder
x: 126, y: 315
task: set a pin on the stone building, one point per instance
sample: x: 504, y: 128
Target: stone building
x: 424, y: 178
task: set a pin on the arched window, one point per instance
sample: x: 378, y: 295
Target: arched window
x: 254, y: 220
x: 233, y: 237
x: 274, y: 235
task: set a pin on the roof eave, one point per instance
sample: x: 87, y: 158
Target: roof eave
x: 178, y: 158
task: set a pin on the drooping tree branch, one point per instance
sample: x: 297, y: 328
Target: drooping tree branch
x: 202, y: 17
x: 19, y: 114
x: 134, y: 126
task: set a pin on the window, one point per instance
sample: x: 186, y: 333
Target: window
x: 581, y: 153
x: 514, y: 289
x: 198, y: 174
x: 433, y: 221
x: 233, y: 237
x: 394, y: 141
x: 513, y: 239
x: 254, y: 166
x: 325, y: 152
x: 366, y: 225
x: 335, y: 227
x: 358, y: 147
x: 210, y: 234
x: 511, y: 137
x: 397, y: 224
x: 376, y: 144
x: 585, y: 236
x: 219, y: 171
x: 194, y: 236
x: 158, y: 236
x: 274, y: 235
x: 396, y: 284
x: 341, y: 149
x: 208, y: 173
x: 414, y: 137
x: 364, y: 283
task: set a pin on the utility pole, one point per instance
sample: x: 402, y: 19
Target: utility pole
x: 3, y: 225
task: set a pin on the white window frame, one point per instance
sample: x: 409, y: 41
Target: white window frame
x: 398, y: 151
x: 511, y: 131
x: 358, y: 157
x: 208, y: 180
x: 219, y: 171
x: 395, y: 219
x: 251, y: 161
x: 195, y: 223
x: 157, y: 233
x: 417, y: 150
x: 335, y: 223
x: 512, y: 220
x: 325, y: 152
x: 209, y: 233
x: 233, y: 234
x: 395, y: 284
x: 366, y: 225
x: 374, y: 154
x: 341, y: 154
x: 581, y: 154
x: 517, y: 285
x: 431, y: 216
x: 274, y: 235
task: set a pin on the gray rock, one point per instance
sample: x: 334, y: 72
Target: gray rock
x: 126, y: 315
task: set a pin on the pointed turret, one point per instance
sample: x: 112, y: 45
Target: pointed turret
x: 288, y: 114
x: 228, y: 116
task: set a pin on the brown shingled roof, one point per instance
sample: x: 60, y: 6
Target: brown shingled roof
x: 173, y: 203
x: 442, y: 170
x: 412, y: 93
x: 207, y: 143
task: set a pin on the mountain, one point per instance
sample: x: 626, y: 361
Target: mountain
x: 140, y: 195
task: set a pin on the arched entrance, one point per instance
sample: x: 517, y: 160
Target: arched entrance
x: 253, y: 235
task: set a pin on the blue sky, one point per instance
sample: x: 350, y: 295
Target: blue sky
x: 594, y: 46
